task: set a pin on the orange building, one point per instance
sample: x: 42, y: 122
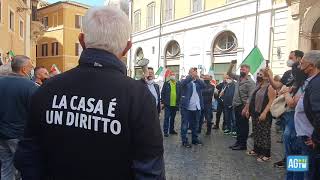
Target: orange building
x: 59, y: 45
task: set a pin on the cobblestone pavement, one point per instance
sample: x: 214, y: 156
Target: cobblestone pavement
x: 215, y: 161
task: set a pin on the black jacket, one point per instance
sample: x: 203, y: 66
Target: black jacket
x: 15, y: 97
x: 157, y: 88
x: 93, y: 122
x: 207, y: 94
x: 311, y: 103
x: 166, y: 91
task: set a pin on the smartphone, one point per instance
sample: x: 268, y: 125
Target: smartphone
x: 267, y: 63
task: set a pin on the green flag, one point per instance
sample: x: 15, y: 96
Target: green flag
x: 11, y: 55
x: 159, y: 71
x: 254, y: 60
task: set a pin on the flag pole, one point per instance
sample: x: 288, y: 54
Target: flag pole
x: 256, y: 24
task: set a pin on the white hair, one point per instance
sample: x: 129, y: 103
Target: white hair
x: 106, y: 28
x: 5, y: 69
x: 313, y: 57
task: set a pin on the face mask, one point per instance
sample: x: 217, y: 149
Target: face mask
x: 207, y: 81
x: 290, y: 63
x: 172, y: 77
x: 259, y: 79
x: 150, y: 81
x: 243, y: 74
x: 302, y: 71
x: 229, y: 81
x: 30, y: 75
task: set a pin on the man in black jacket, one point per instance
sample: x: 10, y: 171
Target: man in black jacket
x: 170, y: 98
x: 220, y: 106
x: 153, y: 87
x: 207, y: 94
x: 310, y: 65
x: 94, y: 122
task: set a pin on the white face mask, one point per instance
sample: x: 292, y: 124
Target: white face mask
x: 172, y: 77
x: 290, y: 63
x: 150, y: 81
x: 229, y: 81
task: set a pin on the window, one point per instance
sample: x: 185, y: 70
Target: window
x: 196, y: 5
x: 220, y: 69
x: 45, y: 21
x: 225, y: 42
x: 173, y: 50
x: 21, y: 29
x: 78, y: 21
x: 44, y: 50
x: 78, y: 49
x: 11, y: 20
x: 168, y: 10
x: 150, y: 16
x: 137, y: 19
x: 55, y: 49
x: 34, y: 12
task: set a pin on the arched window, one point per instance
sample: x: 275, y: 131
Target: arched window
x: 172, y: 59
x: 173, y: 50
x: 138, y: 73
x: 139, y: 54
x: 226, y: 42
x: 315, y: 38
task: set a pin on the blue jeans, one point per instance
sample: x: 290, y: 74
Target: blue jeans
x: 291, y: 143
x: 230, y: 118
x: 169, y: 116
x: 192, y: 118
x: 7, y: 150
x: 306, y: 151
x: 208, y: 115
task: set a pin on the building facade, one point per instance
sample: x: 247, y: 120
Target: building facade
x: 305, y: 21
x: 179, y: 34
x: 15, y: 28
x: 59, y: 45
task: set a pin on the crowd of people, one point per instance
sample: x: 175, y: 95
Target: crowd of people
x: 94, y: 122
x: 293, y: 101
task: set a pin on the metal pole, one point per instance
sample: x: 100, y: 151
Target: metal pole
x: 160, y: 33
x: 256, y: 24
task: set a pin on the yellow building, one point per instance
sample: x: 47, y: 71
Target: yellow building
x: 59, y: 45
x: 15, y: 28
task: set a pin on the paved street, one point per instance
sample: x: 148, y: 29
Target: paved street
x: 215, y: 161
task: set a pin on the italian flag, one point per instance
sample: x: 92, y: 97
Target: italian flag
x: 54, y: 68
x: 254, y: 60
x: 163, y: 72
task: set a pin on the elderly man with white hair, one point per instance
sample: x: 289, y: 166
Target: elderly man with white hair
x: 307, y: 113
x: 94, y: 122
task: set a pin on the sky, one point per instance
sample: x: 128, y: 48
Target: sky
x: 88, y: 2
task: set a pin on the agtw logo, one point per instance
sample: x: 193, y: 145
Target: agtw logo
x: 297, y: 163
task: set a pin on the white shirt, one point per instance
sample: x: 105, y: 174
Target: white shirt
x: 194, y: 103
x: 153, y: 91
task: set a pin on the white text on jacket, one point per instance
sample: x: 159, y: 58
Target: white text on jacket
x: 85, y: 113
